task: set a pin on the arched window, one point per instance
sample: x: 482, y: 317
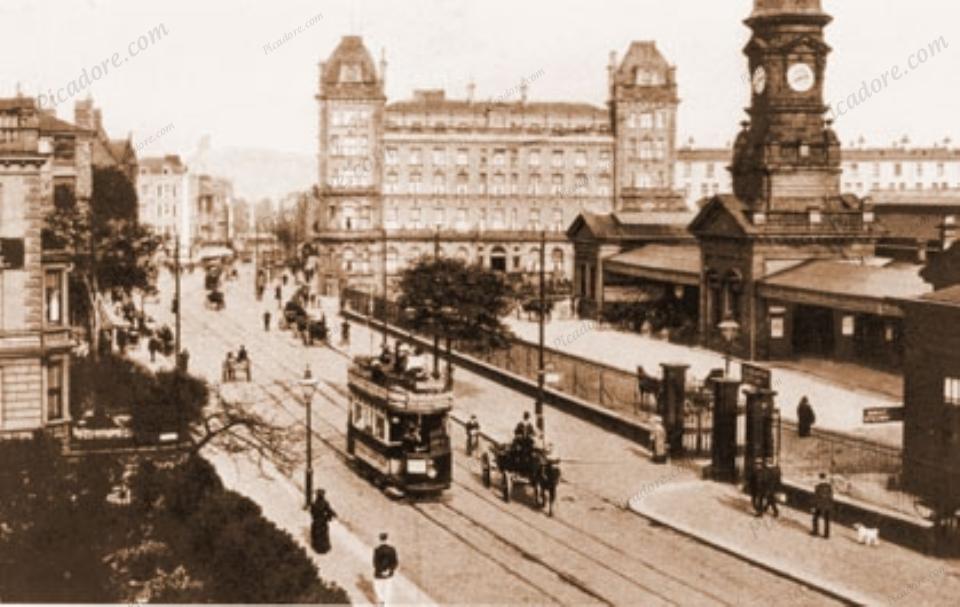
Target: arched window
x: 498, y: 259
x: 533, y: 259
x: 557, y: 258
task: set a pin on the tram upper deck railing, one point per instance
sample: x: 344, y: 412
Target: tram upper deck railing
x: 400, y: 389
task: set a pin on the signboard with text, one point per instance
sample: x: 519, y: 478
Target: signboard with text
x: 882, y: 415
x: 757, y: 376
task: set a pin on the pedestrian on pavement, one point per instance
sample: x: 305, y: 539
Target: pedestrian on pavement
x: 805, y: 418
x: 153, y: 345
x: 473, y: 433
x: 345, y: 332
x: 278, y: 293
x: 321, y: 513
x: 771, y: 490
x: 822, y: 506
x: 385, y: 563
x: 266, y: 320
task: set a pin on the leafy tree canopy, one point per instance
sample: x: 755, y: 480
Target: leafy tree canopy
x: 447, y: 298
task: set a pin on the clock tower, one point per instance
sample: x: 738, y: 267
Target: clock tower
x: 786, y: 158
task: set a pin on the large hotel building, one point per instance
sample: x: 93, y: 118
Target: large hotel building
x: 486, y: 178
x: 482, y: 179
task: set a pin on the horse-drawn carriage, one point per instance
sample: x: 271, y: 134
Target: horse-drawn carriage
x: 523, y: 461
x: 233, y: 369
x: 215, y: 300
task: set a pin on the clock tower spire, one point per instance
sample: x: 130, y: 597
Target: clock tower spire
x: 786, y: 158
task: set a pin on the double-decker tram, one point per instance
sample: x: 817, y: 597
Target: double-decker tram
x: 397, y: 427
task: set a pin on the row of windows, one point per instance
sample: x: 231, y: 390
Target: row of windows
x: 356, y: 118
x: 648, y: 120
x: 898, y: 169
x: 161, y: 190
x: 498, y: 185
x: 902, y: 186
x: 361, y: 263
x: 439, y: 157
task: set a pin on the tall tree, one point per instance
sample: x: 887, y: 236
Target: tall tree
x: 450, y: 300
x: 108, y: 247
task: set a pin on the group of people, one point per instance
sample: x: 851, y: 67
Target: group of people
x: 232, y: 361
x: 385, y: 559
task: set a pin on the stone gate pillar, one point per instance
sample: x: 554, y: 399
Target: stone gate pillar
x: 723, y: 445
x: 670, y: 404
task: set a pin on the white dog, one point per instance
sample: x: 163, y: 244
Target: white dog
x: 866, y: 535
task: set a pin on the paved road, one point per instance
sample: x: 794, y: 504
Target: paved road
x: 469, y: 546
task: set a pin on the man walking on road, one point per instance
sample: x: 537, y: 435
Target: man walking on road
x: 822, y: 506
x: 384, y: 565
x: 266, y: 320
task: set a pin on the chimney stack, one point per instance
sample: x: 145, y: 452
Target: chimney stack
x: 471, y: 91
x: 523, y: 90
x: 611, y: 69
x: 383, y: 68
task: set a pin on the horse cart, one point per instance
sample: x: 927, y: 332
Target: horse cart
x: 522, y: 462
x: 215, y: 300
x: 233, y: 369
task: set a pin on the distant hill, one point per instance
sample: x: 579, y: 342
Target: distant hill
x: 256, y: 173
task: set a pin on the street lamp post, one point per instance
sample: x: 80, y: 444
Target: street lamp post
x: 308, y: 385
x: 729, y: 328
x: 541, y: 308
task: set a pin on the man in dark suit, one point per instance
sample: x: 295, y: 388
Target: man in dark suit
x: 385, y: 563
x: 822, y: 506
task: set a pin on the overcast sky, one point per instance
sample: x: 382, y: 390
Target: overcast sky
x: 212, y: 75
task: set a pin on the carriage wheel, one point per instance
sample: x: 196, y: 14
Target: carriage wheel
x: 485, y: 463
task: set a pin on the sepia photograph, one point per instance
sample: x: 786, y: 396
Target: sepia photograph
x: 439, y: 302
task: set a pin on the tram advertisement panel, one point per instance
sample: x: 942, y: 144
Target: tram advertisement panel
x: 371, y: 457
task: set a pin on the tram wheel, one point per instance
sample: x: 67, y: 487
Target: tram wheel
x: 485, y: 463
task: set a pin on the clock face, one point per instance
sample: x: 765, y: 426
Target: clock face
x: 759, y: 80
x: 800, y: 77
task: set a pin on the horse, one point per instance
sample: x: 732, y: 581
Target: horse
x: 545, y: 481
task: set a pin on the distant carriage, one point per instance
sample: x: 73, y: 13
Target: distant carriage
x: 215, y: 300
x: 233, y: 370
x: 524, y: 463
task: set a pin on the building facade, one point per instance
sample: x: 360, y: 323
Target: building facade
x: 480, y: 180
x: 39, y: 155
x: 164, y: 197
x: 874, y: 172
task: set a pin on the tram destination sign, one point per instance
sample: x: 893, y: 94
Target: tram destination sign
x: 756, y: 376
x: 882, y: 415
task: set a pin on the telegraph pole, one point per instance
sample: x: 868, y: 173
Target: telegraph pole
x: 436, y: 306
x: 176, y: 297
x: 538, y: 408
x: 384, y: 260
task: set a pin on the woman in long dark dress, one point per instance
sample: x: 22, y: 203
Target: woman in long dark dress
x: 322, y: 514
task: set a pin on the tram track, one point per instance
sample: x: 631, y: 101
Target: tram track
x: 340, y: 452
x: 425, y: 509
x: 445, y: 516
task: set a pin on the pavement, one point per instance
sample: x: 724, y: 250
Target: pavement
x: 838, y: 401
x: 720, y: 516
x: 600, y: 538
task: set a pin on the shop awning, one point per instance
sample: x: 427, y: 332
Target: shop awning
x: 632, y: 293
x: 662, y: 263
x: 841, y: 285
x: 214, y: 252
